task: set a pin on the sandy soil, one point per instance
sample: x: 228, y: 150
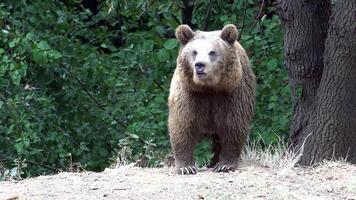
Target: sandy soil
x: 251, y: 181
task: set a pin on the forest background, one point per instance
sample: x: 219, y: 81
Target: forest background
x: 84, y: 84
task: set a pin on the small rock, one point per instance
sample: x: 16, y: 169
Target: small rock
x: 13, y: 198
x: 330, y: 190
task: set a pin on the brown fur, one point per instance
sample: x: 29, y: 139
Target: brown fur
x: 222, y: 111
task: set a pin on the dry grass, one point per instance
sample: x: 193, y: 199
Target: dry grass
x: 279, y: 157
x: 276, y: 156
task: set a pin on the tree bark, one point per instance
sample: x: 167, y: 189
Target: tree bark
x: 333, y: 125
x: 305, y: 24
x: 320, y: 56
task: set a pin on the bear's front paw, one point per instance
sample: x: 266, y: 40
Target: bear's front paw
x: 223, y: 167
x: 186, y: 170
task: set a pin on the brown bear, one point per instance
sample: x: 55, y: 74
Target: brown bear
x: 212, y: 95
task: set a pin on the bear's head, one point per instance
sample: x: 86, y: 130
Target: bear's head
x: 209, y: 59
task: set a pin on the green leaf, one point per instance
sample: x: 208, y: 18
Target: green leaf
x: 14, y: 42
x: 12, y: 66
x: 5, y: 59
x: 39, y: 56
x: 29, y: 35
x: 11, y: 44
x: 224, y: 18
x: 272, y: 64
x: 3, y: 69
x: 19, y: 147
x: 273, y: 98
x: 23, y: 69
x: 1, y: 104
x: 43, y: 45
x: 102, y: 152
x: 83, y: 147
x: 110, y: 47
x: 163, y: 55
x: 134, y: 136
x: 270, y: 106
x: 170, y: 44
x: 147, y: 45
x: 16, y: 77
x: 55, y: 54
x: 26, y: 142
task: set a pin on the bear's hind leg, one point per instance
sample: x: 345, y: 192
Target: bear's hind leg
x: 215, y: 150
x: 229, y: 156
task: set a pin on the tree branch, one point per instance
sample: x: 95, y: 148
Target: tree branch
x: 42, y: 165
x: 32, y: 163
x: 207, y: 15
x: 243, y: 21
x: 262, y: 10
x: 86, y: 90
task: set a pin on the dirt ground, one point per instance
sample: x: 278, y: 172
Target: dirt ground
x: 333, y: 180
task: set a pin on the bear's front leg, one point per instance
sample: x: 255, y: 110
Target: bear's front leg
x: 183, y: 148
x: 229, y: 156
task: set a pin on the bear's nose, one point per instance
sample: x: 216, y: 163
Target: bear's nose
x: 199, y: 66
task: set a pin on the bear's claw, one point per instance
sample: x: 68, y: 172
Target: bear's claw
x: 223, y: 168
x: 187, y: 170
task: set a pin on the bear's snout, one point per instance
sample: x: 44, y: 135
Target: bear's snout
x: 199, y: 69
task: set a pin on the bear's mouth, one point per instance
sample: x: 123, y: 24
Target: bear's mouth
x: 201, y: 75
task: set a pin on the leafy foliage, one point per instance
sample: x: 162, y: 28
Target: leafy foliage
x: 80, y: 86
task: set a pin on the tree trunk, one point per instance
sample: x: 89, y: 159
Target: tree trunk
x: 325, y: 113
x: 305, y: 24
x: 187, y: 12
x: 333, y: 125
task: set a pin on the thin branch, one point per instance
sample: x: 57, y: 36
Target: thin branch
x: 158, y: 84
x: 42, y: 165
x: 207, y: 15
x: 97, y: 102
x: 243, y: 21
x: 262, y: 9
x: 145, y: 9
x: 86, y: 90
x: 32, y: 163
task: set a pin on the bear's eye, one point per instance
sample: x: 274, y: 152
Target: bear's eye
x: 212, y: 53
x: 195, y: 53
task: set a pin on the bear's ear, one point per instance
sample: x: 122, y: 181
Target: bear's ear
x: 229, y: 33
x: 184, y: 34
